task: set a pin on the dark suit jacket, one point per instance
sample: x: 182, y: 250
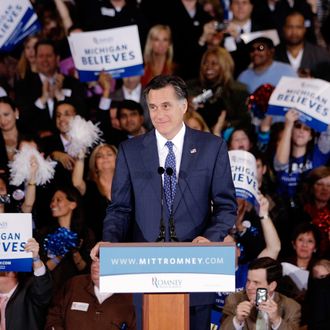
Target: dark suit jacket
x: 288, y: 308
x: 26, y: 309
x: 111, y: 314
x: 29, y: 90
x: 312, y: 55
x: 204, y: 176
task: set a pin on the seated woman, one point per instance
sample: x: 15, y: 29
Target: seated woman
x: 97, y: 189
x: 68, y: 215
x: 216, y: 74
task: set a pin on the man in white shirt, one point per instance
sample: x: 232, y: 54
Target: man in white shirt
x: 199, y: 177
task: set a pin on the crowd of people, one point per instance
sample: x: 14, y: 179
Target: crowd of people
x: 202, y: 42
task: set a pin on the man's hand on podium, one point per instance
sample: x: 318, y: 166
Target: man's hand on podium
x: 201, y: 239
x: 95, y: 251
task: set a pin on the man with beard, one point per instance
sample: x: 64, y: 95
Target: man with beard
x: 301, y: 54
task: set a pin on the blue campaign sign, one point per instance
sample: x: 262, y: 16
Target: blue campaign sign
x: 17, y: 20
x: 167, y: 268
x: 116, y: 51
x: 311, y: 97
x: 15, y: 230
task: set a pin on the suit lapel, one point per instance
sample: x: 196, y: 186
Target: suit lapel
x: 149, y: 156
x: 188, y: 159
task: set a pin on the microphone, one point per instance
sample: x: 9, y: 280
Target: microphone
x: 173, y: 238
x: 161, y: 236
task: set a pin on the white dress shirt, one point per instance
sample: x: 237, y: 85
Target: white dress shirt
x: 177, y: 148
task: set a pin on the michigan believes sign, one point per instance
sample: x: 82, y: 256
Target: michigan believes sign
x: 116, y: 51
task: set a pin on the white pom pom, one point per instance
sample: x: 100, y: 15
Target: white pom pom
x: 83, y: 135
x: 20, y: 167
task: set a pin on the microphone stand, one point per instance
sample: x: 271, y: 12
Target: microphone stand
x: 161, y: 236
x: 173, y: 238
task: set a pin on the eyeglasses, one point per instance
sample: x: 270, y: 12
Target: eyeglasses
x: 299, y: 125
x: 259, y: 48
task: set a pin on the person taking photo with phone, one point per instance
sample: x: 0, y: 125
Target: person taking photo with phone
x: 278, y: 311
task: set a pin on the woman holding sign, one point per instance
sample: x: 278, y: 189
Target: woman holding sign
x: 296, y: 155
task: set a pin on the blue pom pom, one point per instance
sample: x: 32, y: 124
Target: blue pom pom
x: 61, y: 242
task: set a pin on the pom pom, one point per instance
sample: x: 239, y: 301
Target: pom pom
x: 258, y: 101
x: 21, y: 167
x: 61, y: 242
x: 83, y: 136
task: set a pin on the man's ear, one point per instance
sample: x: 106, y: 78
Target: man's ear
x: 272, y: 286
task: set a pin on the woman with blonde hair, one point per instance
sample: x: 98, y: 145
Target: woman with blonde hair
x: 194, y: 120
x: 226, y: 95
x: 97, y: 188
x: 158, y: 53
x: 27, y: 61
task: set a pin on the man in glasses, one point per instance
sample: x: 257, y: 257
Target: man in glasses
x: 264, y: 69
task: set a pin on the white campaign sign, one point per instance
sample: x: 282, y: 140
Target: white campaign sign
x: 244, y: 174
x: 309, y: 96
x: 11, y: 13
x: 15, y: 230
x: 117, y: 51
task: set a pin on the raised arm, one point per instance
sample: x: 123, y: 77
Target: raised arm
x: 78, y: 173
x: 283, y: 149
x: 30, y: 195
x: 273, y: 243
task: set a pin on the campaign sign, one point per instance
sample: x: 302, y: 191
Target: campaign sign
x: 15, y: 230
x: 311, y: 97
x: 116, y: 51
x: 17, y: 20
x: 244, y: 174
x: 168, y: 267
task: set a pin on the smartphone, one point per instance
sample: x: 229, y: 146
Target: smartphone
x: 261, y: 295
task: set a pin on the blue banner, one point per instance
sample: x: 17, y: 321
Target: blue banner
x: 146, y: 260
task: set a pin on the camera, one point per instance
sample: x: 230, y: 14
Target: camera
x: 261, y: 296
x: 203, y: 97
x: 220, y: 26
x: 5, y: 199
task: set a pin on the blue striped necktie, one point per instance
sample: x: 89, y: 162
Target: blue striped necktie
x: 170, y: 180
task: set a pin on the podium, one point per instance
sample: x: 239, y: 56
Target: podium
x: 163, y: 311
x: 165, y: 273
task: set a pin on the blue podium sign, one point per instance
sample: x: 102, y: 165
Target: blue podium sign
x: 170, y: 267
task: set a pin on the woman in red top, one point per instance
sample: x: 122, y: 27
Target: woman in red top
x: 158, y: 53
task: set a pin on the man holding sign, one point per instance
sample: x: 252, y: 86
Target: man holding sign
x: 23, y: 303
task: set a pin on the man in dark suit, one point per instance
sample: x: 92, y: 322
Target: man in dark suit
x: 277, y: 311
x: 38, y: 93
x: 295, y: 50
x: 24, y: 302
x: 201, y: 205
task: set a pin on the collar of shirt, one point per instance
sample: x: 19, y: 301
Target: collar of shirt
x: 295, y: 61
x: 246, y: 27
x: 65, y: 142
x: 101, y: 296
x: 133, y: 94
x: 44, y: 78
x: 177, y: 148
x: 9, y: 294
